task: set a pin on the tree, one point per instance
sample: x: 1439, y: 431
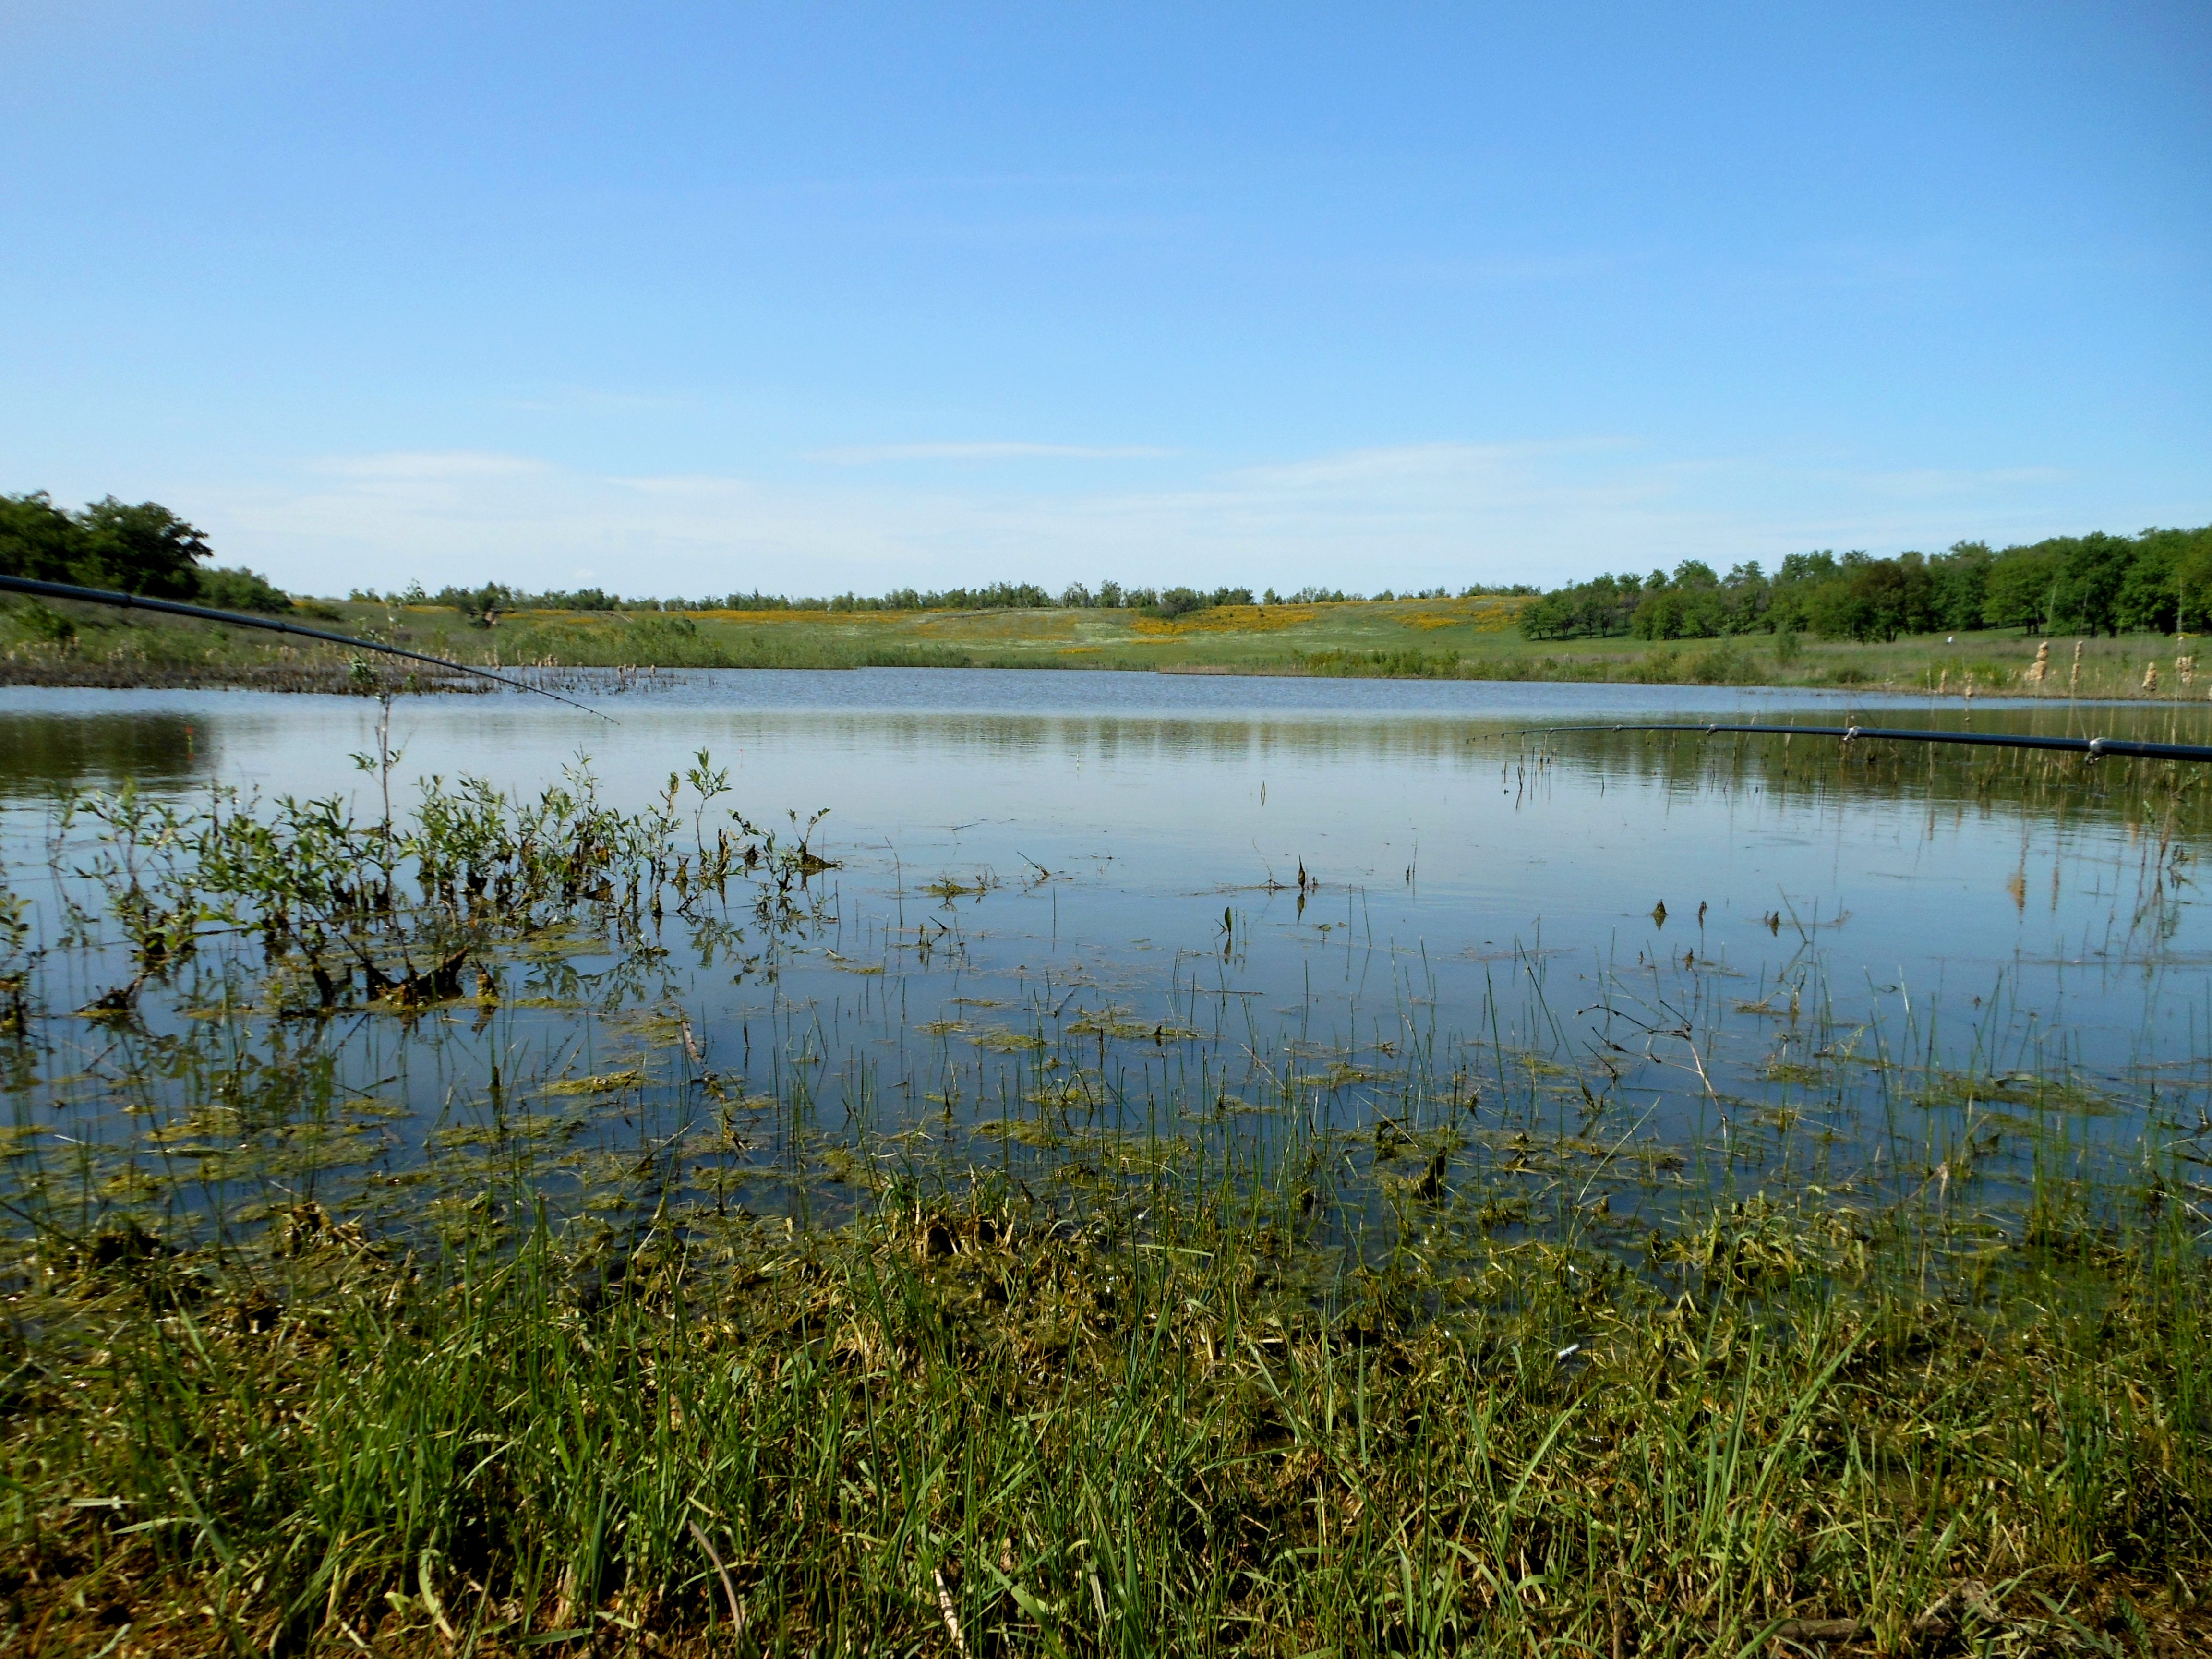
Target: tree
x: 1962, y: 583
x: 2192, y: 577
x: 2019, y: 589
x: 1790, y: 596
x: 2093, y: 571
x: 242, y: 590
x: 1598, y: 608
x: 144, y: 549
x: 37, y: 540
x: 1180, y: 601
x: 1661, y: 614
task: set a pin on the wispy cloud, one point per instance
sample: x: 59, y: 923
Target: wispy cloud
x: 988, y: 450
x: 419, y: 464
x: 1421, y: 467
x: 1939, y: 483
x: 1412, y: 514
x: 585, y: 400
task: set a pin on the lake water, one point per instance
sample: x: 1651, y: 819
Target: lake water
x: 1085, y: 889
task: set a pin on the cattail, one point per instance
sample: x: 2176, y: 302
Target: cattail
x: 2074, y: 680
x: 2040, y: 668
x: 2184, y: 670
x: 2150, y: 677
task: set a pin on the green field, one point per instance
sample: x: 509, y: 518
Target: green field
x: 1435, y: 639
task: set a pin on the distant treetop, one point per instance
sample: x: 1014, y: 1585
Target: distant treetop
x: 2158, y: 581
x: 145, y: 548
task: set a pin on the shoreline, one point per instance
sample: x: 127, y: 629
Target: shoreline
x: 1429, y: 640
x: 317, y: 679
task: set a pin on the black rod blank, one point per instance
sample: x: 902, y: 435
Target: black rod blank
x: 272, y: 624
x: 2095, y: 748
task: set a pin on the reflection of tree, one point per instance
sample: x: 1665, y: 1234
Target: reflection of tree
x: 48, y: 754
x: 2170, y: 799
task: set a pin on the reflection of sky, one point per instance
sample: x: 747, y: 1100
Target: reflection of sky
x: 1160, y: 800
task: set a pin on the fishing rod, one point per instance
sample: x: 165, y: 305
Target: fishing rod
x: 2095, y: 748
x: 274, y: 625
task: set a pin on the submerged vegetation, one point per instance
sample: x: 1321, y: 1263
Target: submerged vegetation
x: 967, y: 1425
x: 403, y: 1257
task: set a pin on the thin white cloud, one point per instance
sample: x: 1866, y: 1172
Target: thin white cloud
x: 1416, y: 514
x: 595, y: 400
x: 872, y: 454
x: 1935, y: 483
x: 413, y: 465
x: 1417, y: 467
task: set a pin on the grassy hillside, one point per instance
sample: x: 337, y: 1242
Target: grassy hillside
x: 1451, y: 639
x: 1277, y: 637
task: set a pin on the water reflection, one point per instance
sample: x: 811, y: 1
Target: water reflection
x: 1117, y: 873
x: 46, y: 754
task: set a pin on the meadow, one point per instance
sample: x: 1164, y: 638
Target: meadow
x: 1472, y: 639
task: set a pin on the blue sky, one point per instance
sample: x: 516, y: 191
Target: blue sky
x: 692, y: 298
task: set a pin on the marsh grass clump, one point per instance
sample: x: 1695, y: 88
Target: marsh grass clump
x: 1096, y: 1436
x: 368, y: 910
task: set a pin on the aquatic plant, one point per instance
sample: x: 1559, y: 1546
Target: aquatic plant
x: 353, y: 1306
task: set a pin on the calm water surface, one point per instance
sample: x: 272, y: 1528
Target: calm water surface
x: 1027, y: 859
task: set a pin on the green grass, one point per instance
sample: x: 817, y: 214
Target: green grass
x: 1125, y: 1441
x: 1487, y: 1373
x: 1449, y: 639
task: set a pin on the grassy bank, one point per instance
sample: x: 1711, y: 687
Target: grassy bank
x: 965, y: 1426
x: 1119, y: 1336
x: 1451, y: 639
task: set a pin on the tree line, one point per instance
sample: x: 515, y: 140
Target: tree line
x: 493, y: 598
x: 148, y: 549
x: 145, y: 548
x: 2158, y: 581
